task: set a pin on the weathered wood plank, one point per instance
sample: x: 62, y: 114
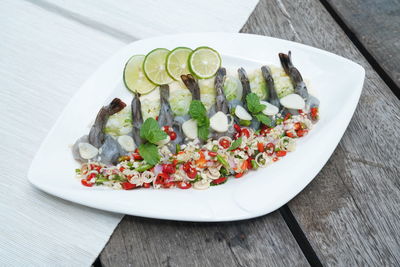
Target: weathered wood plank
x: 44, y: 59
x: 264, y: 241
x: 377, y: 25
x: 350, y: 212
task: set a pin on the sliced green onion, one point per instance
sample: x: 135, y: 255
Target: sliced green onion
x: 222, y: 161
x: 144, y: 168
x: 254, y: 164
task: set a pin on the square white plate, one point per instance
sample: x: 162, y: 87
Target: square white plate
x: 337, y: 80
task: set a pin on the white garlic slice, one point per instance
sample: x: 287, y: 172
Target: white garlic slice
x: 87, y: 151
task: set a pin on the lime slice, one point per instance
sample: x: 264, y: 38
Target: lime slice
x: 134, y: 77
x: 177, y: 62
x: 154, y: 66
x: 204, y: 62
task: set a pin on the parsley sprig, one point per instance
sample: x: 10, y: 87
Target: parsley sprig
x: 152, y: 133
x: 256, y: 108
x: 199, y: 113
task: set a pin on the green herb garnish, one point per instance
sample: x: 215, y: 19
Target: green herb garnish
x: 149, y: 152
x: 151, y: 131
x: 264, y: 120
x: 235, y: 144
x: 255, y: 107
x: 253, y: 103
x: 199, y: 113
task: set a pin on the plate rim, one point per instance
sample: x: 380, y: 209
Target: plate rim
x: 116, y: 55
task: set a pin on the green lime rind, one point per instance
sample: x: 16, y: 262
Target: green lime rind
x: 133, y: 79
x: 154, y: 66
x: 176, y: 72
x: 195, y: 69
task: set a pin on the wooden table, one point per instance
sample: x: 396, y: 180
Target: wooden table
x: 349, y: 214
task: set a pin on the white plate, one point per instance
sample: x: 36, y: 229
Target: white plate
x: 338, y: 81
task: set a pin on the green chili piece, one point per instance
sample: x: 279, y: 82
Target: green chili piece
x: 254, y: 164
x: 144, y: 168
x: 244, y: 122
x: 222, y: 161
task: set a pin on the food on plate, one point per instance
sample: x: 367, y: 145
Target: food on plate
x: 202, y: 124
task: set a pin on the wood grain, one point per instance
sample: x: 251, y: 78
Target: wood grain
x: 44, y: 59
x: 377, y: 25
x: 264, y: 241
x: 350, y: 212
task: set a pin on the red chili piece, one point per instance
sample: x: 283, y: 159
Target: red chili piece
x: 183, y: 185
x: 281, y: 153
x: 289, y: 134
x: 297, y: 126
x: 190, y: 171
x: 219, y: 180
x: 136, y: 156
x: 225, y: 143
x: 161, y: 178
x: 270, y: 147
x: 168, y: 168
x: 237, y: 128
x: 301, y: 133
x: 237, y: 135
x: 172, y: 136
x: 314, y: 113
x: 168, y: 184
x: 238, y: 175
x: 86, y: 183
x: 245, y: 132
x: 128, y: 186
x: 146, y: 185
x: 260, y: 147
x: 288, y: 116
x: 212, y: 153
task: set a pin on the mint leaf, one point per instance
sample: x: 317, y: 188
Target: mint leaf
x: 203, y: 121
x: 149, y: 153
x: 197, y: 110
x: 264, y: 119
x: 203, y: 132
x: 199, y: 113
x: 253, y: 103
x: 235, y: 144
x: 151, y: 132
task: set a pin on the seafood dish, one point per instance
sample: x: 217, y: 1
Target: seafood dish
x: 192, y: 123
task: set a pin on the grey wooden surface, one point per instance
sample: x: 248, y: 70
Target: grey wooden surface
x: 264, y: 241
x: 376, y: 23
x: 349, y: 213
